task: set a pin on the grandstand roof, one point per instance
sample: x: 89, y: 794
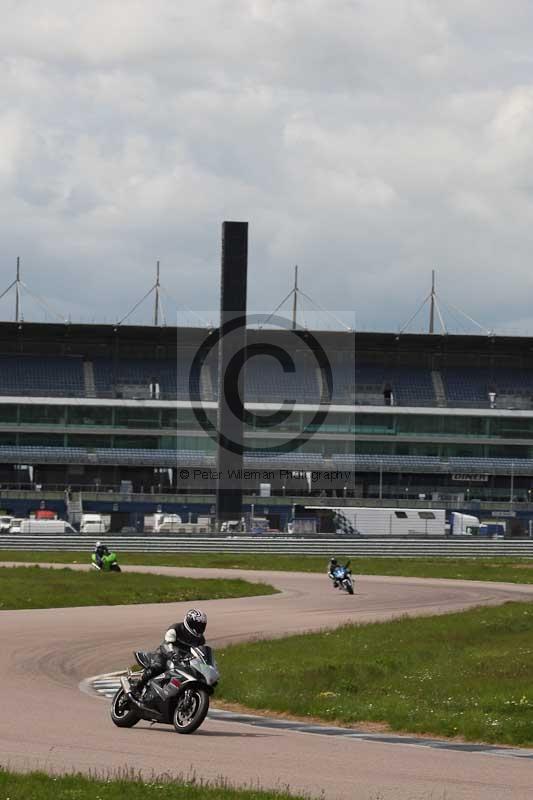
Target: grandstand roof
x: 408, y: 349
x: 131, y: 340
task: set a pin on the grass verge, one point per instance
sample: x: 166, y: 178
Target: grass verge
x: 468, y: 674
x: 39, y: 786
x: 38, y: 587
x: 512, y: 570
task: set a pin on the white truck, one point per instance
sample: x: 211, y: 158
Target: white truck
x: 5, y: 524
x: 463, y: 524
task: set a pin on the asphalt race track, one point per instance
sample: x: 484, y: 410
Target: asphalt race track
x: 48, y: 723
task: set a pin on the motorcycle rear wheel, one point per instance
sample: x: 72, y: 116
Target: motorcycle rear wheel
x: 191, y: 710
x: 122, y: 715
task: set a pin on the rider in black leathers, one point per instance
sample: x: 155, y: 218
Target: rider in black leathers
x: 177, y: 644
x: 100, y: 550
x: 332, y: 566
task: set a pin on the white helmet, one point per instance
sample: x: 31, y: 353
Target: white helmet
x: 98, y: 544
x: 195, y: 621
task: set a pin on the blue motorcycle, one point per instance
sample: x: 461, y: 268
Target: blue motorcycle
x: 343, y: 578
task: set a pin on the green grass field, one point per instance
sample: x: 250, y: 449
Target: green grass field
x: 38, y: 786
x: 513, y: 570
x: 38, y: 587
x: 467, y: 674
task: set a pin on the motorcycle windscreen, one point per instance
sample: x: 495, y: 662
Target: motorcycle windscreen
x: 207, y: 654
x: 209, y: 671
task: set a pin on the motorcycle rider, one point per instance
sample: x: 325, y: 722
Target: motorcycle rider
x: 176, y: 645
x: 332, y: 566
x: 100, y: 550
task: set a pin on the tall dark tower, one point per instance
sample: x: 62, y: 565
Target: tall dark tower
x: 231, y: 361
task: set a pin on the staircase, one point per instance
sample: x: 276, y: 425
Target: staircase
x: 74, y: 504
x: 88, y: 379
x: 438, y: 388
x: 206, y: 384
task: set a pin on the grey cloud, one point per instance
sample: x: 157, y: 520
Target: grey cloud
x: 367, y: 142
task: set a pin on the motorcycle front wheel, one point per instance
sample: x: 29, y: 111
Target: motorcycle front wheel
x: 191, y: 710
x: 121, y: 712
x: 349, y: 587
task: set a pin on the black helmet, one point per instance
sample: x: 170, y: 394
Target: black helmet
x: 195, y: 621
x: 333, y: 561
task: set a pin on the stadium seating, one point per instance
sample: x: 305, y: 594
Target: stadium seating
x: 41, y: 377
x: 466, y: 386
x: 152, y: 458
x: 112, y: 378
x: 392, y: 463
x: 490, y: 466
x: 265, y: 378
x: 471, y: 386
x: 265, y: 381
x: 344, y: 383
x: 295, y: 461
x: 411, y: 386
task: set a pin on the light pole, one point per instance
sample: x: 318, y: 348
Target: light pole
x: 380, y: 479
x: 512, y: 486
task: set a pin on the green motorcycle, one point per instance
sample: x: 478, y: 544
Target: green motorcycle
x: 109, y: 563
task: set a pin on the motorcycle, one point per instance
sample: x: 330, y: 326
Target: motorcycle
x: 109, y: 563
x: 178, y: 697
x: 343, y: 578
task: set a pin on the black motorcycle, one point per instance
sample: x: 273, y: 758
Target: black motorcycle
x: 179, y: 696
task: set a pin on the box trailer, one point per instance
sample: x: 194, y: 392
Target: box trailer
x: 46, y: 526
x: 365, y: 521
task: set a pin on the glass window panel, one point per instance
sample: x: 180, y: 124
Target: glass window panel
x: 132, y: 417
x: 90, y: 415
x: 8, y: 413
x: 42, y: 414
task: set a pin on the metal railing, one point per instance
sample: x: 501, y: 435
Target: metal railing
x: 322, y: 546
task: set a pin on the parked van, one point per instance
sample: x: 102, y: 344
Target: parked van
x: 162, y: 523
x: 231, y: 526
x: 46, y: 526
x: 93, y: 523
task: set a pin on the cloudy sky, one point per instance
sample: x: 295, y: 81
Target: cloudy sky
x: 368, y: 141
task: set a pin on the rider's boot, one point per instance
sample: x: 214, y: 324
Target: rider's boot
x: 137, y: 688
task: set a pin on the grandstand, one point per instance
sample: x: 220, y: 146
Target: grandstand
x: 435, y: 417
